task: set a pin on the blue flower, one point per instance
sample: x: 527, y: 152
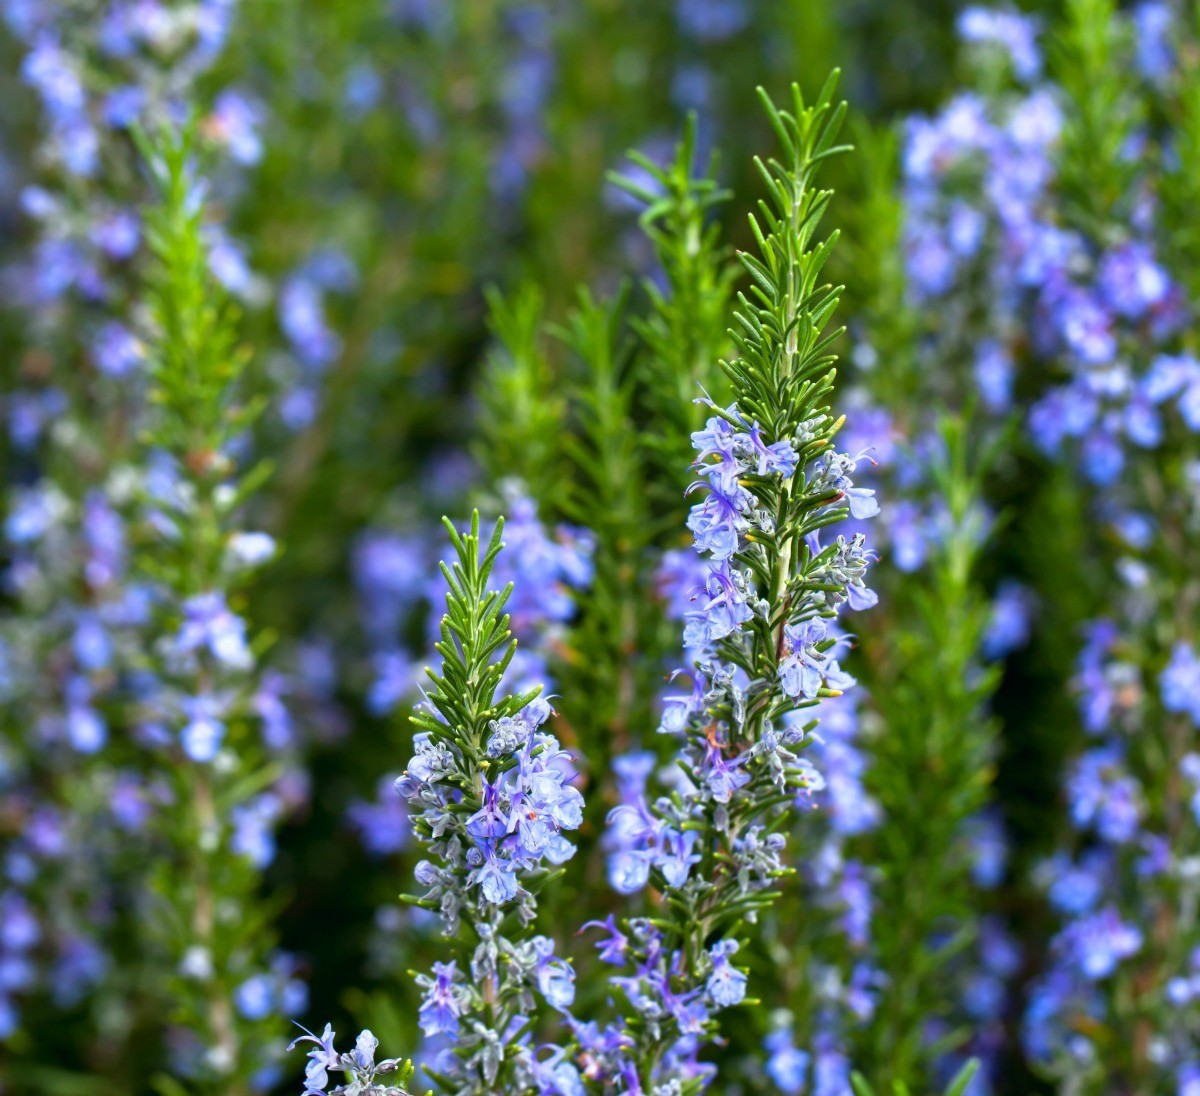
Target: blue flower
x: 209, y: 625
x: 204, y: 731
x: 116, y: 350
x: 726, y: 984
x: 442, y: 1006
x: 615, y: 947
x: 724, y: 611
x: 555, y: 978
x: 677, y: 856
x: 711, y: 20
x: 253, y: 825
x: 1009, y: 621
x: 1015, y: 34
x: 836, y: 473
x: 722, y: 776
x: 1084, y: 324
x: 994, y: 374
x: 787, y: 1066
x: 1103, y: 794
x: 1131, y: 281
x: 1096, y: 944
x: 718, y: 522
x: 255, y: 997
x: 495, y: 877
x: 803, y: 668
x: 1180, y: 682
x: 778, y: 458
x: 320, y: 1059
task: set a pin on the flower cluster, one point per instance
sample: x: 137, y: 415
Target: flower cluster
x: 358, y: 1065
x: 86, y: 613
x: 214, y: 728
x: 520, y: 823
x: 490, y: 797
x: 1086, y: 283
x: 762, y: 647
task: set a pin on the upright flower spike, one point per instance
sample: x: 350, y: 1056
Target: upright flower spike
x: 932, y: 404
x: 491, y: 799
x: 199, y: 709
x: 771, y: 481
x: 72, y: 409
x: 1123, y: 883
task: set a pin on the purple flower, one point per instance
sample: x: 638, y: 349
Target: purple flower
x: 1175, y: 377
x: 1084, y: 324
x: 726, y: 985
x: 302, y: 317
x: 117, y: 233
x: 787, y: 1066
x: 1130, y: 280
x: 1008, y: 627
x: 255, y: 997
x: 723, y: 611
x: 50, y: 71
x: 209, y: 624
x: 383, y: 825
x: 490, y: 821
x: 116, y: 351
x: 1075, y: 888
x: 1015, y: 34
x: 442, y: 1005
x: 803, y: 669
x: 1104, y: 795
x: 320, y: 1059
x: 234, y: 122
x: 394, y: 680
x: 722, y: 776
x: 253, y: 826
x: 711, y: 20
x: 853, y: 894
x: 718, y: 522
x: 837, y: 471
x: 994, y: 374
x: 1153, y: 22
x: 908, y: 529
x: 1180, y: 682
x: 614, y: 948
x: 1097, y: 943
x: 678, y: 709
x: 779, y: 458
x: 677, y: 856
x: 204, y: 731
x: 555, y: 978
x: 496, y: 878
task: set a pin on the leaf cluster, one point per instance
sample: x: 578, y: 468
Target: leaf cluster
x: 476, y: 647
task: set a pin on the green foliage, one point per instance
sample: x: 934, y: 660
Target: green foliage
x: 1180, y: 183
x: 476, y: 648
x: 195, y: 367
x: 872, y: 252
x: 684, y: 330
x: 1090, y: 60
x: 522, y: 411
x: 780, y: 327
x: 932, y: 764
x: 957, y: 1086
